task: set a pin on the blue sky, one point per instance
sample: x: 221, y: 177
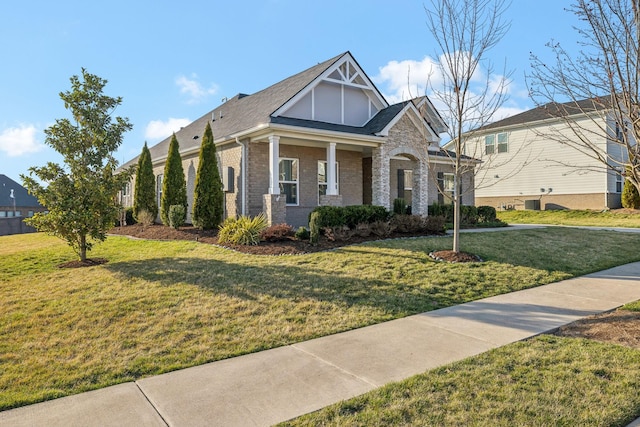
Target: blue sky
x: 172, y: 62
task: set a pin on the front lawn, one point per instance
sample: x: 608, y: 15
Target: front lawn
x: 544, y: 381
x: 160, y: 306
x: 623, y: 218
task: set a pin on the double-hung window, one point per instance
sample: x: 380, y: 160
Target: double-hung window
x: 288, y: 180
x: 448, y: 184
x: 159, y: 189
x: 503, y: 142
x: 489, y: 144
x: 322, y: 179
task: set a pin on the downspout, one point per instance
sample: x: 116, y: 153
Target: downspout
x: 243, y: 165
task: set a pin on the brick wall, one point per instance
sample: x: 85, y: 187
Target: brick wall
x: 552, y: 201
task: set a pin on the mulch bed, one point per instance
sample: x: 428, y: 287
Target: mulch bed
x: 290, y: 246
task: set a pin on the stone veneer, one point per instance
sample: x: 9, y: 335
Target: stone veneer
x: 275, y: 208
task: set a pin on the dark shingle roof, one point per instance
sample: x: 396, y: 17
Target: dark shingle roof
x: 549, y: 111
x: 244, y: 112
x: 22, y: 197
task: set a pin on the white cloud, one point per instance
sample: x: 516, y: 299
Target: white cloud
x: 406, y: 79
x: 194, y: 89
x: 17, y: 141
x: 157, y: 129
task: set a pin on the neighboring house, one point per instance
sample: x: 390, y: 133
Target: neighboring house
x: 325, y: 136
x: 15, y: 205
x: 527, y: 167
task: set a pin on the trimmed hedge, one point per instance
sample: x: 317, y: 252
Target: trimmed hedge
x: 350, y: 216
x: 469, y: 215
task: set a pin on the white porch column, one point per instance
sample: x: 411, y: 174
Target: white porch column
x: 332, y: 185
x: 274, y: 169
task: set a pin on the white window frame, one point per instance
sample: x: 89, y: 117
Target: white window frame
x: 324, y: 183
x: 489, y: 148
x: 501, y: 144
x: 282, y: 182
x: 449, y: 184
x: 619, y: 182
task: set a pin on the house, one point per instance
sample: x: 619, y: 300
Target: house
x: 16, y: 204
x: 324, y: 136
x: 529, y: 161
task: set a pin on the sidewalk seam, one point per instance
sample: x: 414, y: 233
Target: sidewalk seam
x: 326, y: 362
x: 151, y: 403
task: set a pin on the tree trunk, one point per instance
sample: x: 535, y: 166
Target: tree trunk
x: 456, y: 217
x: 83, y: 248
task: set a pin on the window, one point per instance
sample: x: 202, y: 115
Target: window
x: 408, y: 179
x: 29, y: 214
x: 159, y: 189
x: 3, y: 214
x: 18, y: 213
x: 503, y: 143
x: 10, y: 214
x: 448, y: 184
x: 619, y: 182
x: 288, y: 178
x: 489, y: 144
x: 322, y: 179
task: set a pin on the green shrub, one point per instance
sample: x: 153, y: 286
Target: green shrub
x: 399, y: 206
x: 242, y: 231
x: 434, y: 224
x: 351, y: 216
x: 630, y: 196
x: 126, y: 216
x: 487, y: 214
x: 444, y: 210
x: 145, y: 217
x: 177, y: 216
x: 468, y: 215
x: 302, y: 234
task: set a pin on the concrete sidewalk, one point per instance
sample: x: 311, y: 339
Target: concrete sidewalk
x: 264, y: 388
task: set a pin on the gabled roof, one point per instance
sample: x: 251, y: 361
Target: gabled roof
x: 23, y: 199
x: 244, y: 113
x: 550, y: 111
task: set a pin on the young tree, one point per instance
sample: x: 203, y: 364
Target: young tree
x: 81, y: 195
x: 630, y: 196
x: 595, y: 93
x: 464, y: 31
x: 144, y: 198
x: 174, y: 187
x: 208, y: 197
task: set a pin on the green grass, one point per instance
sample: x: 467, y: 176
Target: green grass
x: 544, y: 381
x: 571, y: 217
x: 161, y: 306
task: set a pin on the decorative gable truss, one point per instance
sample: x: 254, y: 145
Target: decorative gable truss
x: 343, y: 94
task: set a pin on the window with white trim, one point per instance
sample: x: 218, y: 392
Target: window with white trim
x: 489, y: 144
x: 448, y: 184
x: 501, y: 140
x: 322, y: 179
x: 288, y: 180
x: 619, y: 182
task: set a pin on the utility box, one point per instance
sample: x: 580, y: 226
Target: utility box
x: 532, y: 205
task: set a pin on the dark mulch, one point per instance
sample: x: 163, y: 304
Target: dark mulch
x: 89, y: 262
x: 451, y: 256
x: 288, y: 246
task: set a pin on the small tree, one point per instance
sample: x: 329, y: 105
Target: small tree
x: 81, y: 195
x: 208, y: 197
x: 630, y: 196
x: 145, y: 191
x: 464, y: 31
x: 174, y: 187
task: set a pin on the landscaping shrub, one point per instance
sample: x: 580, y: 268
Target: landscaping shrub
x: 363, y: 229
x: 399, y: 206
x: 382, y: 228
x: 242, y: 231
x: 338, y: 234
x: 126, y: 216
x: 276, y: 233
x: 407, y: 223
x: 302, y: 234
x: 434, y: 224
x: 630, y: 196
x: 177, y: 216
x: 314, y: 227
x: 487, y: 214
x: 445, y: 210
x: 468, y: 215
x: 351, y: 216
x: 146, y: 218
